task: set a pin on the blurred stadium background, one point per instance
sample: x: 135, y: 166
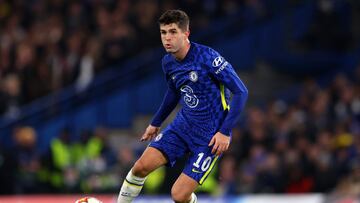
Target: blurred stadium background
x: 80, y: 79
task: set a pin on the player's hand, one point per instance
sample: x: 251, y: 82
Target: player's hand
x: 150, y: 133
x: 221, y: 143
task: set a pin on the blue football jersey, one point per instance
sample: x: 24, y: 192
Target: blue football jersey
x: 202, y: 80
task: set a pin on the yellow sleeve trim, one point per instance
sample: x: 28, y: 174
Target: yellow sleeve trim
x: 223, y: 100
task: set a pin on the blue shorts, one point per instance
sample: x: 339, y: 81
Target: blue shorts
x: 174, y: 146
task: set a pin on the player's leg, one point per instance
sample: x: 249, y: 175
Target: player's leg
x: 183, y: 189
x: 150, y: 160
x: 166, y: 148
x: 197, y: 169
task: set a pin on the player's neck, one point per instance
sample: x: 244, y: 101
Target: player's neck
x: 181, y: 54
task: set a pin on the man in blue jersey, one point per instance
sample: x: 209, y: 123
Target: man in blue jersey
x: 200, y: 80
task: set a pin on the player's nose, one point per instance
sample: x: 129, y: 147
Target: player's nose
x: 167, y: 37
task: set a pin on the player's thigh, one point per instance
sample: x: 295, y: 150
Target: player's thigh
x: 183, y: 187
x: 150, y: 160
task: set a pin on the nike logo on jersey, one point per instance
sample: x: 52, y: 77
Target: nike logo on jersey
x: 196, y: 171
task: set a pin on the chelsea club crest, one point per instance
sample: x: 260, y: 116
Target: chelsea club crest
x: 193, y: 76
x: 158, y: 137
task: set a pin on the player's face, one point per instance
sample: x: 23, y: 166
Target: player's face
x: 173, y: 38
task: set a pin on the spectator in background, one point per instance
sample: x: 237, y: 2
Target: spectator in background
x: 297, y: 181
x: 270, y: 175
x: 144, y: 16
x: 94, y: 160
x: 10, y: 96
x: 27, y: 161
x: 227, y: 174
x: 87, y: 65
x: 350, y: 185
x: 63, y: 175
x: 255, y: 133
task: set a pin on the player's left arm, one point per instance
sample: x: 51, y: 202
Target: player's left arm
x: 225, y: 74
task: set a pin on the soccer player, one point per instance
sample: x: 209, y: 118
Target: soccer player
x: 200, y: 79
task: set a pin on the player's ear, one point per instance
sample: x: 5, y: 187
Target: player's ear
x: 187, y: 33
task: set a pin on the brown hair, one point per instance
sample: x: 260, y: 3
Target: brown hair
x: 178, y: 17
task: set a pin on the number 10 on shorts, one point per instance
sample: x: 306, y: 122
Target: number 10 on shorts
x: 205, y: 164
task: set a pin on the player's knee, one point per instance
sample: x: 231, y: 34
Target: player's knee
x: 140, y: 169
x: 178, y: 196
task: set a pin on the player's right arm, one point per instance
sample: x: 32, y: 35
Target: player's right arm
x: 170, y: 101
x: 168, y: 104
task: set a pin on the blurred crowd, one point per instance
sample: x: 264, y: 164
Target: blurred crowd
x: 311, y: 144
x: 48, y: 45
x: 68, y: 165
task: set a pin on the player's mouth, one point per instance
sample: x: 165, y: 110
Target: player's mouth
x: 167, y: 46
